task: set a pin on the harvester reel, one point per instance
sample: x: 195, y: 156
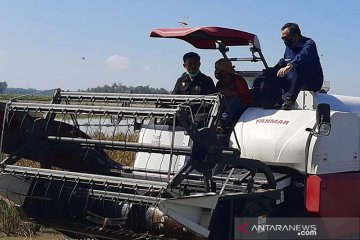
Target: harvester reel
x: 27, y: 137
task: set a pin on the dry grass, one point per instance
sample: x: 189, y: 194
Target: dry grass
x: 28, y: 163
x: 40, y: 236
x: 126, y: 158
x: 12, y: 225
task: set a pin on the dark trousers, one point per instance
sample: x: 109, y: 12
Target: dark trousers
x: 293, y: 83
x: 231, y: 109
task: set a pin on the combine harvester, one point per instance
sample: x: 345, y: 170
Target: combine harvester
x: 182, y: 182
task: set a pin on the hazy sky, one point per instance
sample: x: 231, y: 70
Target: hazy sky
x: 42, y: 42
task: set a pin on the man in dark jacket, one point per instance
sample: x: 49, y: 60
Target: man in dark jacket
x: 300, y: 69
x: 193, y: 81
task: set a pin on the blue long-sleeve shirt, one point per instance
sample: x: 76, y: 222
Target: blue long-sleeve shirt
x: 305, y: 59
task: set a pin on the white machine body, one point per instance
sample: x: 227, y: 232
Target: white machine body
x: 279, y: 137
x: 161, y: 134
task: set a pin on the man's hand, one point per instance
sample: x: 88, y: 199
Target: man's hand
x: 283, y: 71
x: 229, y: 92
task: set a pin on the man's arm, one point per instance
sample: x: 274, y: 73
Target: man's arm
x: 209, y: 86
x: 229, y: 92
x: 176, y: 89
x: 307, y: 54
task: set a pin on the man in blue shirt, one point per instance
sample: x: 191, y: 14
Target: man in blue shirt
x: 300, y: 69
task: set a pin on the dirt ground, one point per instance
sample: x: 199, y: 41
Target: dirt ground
x: 49, y: 234
x: 44, y: 235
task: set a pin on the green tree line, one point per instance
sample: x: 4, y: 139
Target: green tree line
x: 114, y: 88
x: 120, y: 88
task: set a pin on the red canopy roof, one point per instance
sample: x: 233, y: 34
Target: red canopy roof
x: 206, y: 37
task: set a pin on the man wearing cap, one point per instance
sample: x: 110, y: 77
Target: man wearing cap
x: 193, y: 82
x: 235, y: 91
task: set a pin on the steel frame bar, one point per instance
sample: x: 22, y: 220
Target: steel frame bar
x: 136, y: 98
x: 128, y: 146
x: 86, y: 177
x: 91, y: 110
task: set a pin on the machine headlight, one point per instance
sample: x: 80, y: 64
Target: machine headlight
x: 324, y: 129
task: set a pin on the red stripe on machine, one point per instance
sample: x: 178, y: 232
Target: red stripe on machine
x: 313, y: 184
